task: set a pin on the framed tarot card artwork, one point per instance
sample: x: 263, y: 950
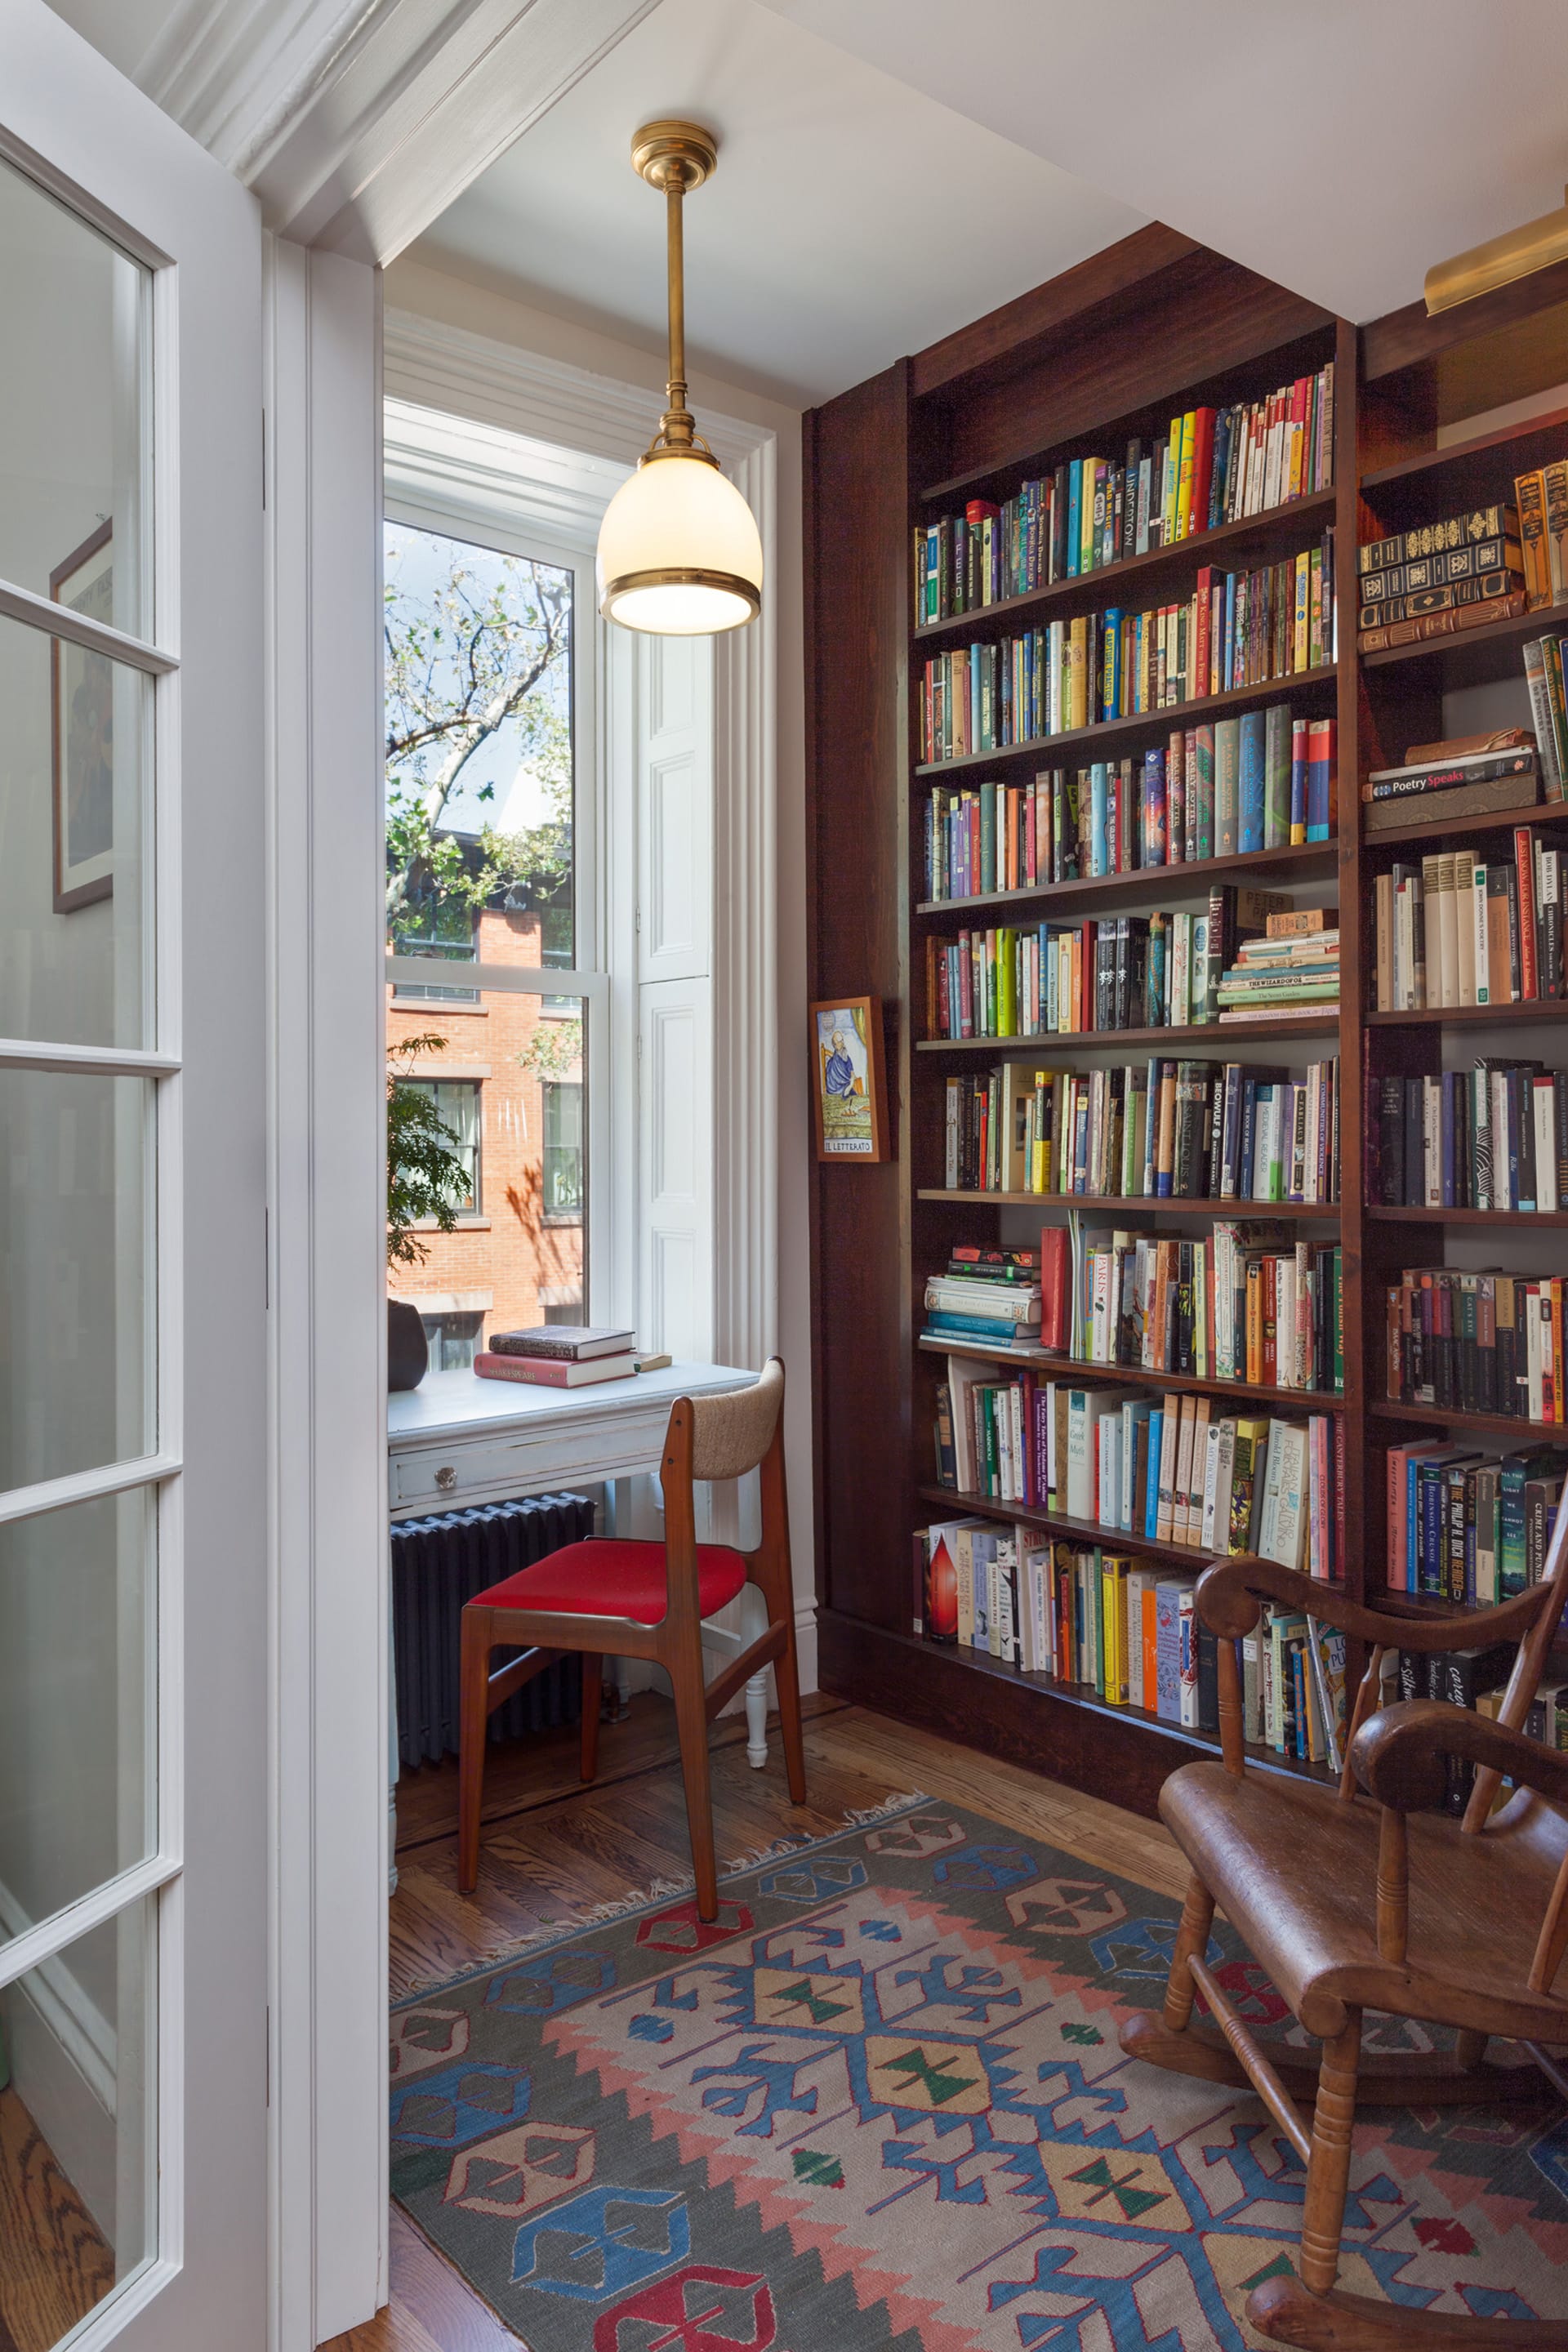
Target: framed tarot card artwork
x: 846, y: 1077
x: 82, y: 733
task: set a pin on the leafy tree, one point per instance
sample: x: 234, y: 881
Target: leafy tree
x: 465, y: 659
x: 424, y: 1175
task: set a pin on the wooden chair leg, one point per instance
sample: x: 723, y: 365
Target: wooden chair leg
x: 593, y: 1700
x: 685, y: 1671
x: 786, y: 1674
x: 1191, y: 1939
x: 473, y: 1719
x: 1328, y: 2172
x: 1469, y: 2047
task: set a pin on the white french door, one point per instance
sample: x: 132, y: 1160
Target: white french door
x: 134, y: 1634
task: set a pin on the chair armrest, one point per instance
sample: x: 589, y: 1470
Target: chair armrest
x: 1398, y: 1756
x: 1229, y: 1592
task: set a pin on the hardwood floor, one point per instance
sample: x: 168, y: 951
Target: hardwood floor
x: 54, y: 2264
x: 553, y: 1850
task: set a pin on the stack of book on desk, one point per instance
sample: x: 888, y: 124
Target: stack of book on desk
x: 559, y: 1356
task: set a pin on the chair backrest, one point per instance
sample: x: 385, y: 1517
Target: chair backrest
x: 729, y: 1434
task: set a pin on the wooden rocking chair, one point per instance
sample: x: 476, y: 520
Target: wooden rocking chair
x: 1353, y: 1906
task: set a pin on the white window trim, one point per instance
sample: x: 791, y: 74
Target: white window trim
x: 477, y: 387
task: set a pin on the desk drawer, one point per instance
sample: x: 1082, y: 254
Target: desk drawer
x: 445, y: 1477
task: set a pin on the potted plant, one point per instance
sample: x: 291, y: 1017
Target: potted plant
x: 426, y: 1179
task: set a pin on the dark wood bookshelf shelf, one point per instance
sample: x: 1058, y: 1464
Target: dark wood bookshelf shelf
x: 1149, y: 881
x: 1501, y: 1424
x: 1548, y: 428
x: 1148, y: 1203
x: 1265, y: 530
x: 1438, y: 830
x: 1472, y: 650
x: 1086, y: 1696
x: 1055, y: 1523
x: 1324, y: 1024
x: 1522, y: 1219
x: 1157, y: 324
x: 1072, y: 1370
x: 1142, y: 722
x: 1472, y: 1016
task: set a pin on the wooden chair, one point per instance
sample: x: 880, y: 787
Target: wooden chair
x: 1388, y: 1906
x: 610, y: 1597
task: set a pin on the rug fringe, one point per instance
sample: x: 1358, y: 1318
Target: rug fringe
x: 660, y: 1890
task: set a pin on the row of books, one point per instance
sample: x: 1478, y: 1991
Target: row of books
x: 1485, y: 1343
x: 1168, y: 970
x: 1166, y: 1469
x: 1267, y: 780
x: 1454, y: 930
x: 1238, y: 1305
x: 1211, y: 466
x: 1130, y: 1632
x: 1494, y: 1136
x: 1540, y: 498
x: 1475, y: 1678
x: 1164, y: 1129
x: 1471, y: 1524
x: 1462, y: 559
x: 1238, y: 629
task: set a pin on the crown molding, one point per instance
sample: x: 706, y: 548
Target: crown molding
x: 357, y: 122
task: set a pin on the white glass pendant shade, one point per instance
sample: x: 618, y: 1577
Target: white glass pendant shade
x: 679, y: 553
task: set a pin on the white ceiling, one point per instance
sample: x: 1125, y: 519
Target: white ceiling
x: 851, y: 218
x: 891, y: 169
x: 1338, y: 146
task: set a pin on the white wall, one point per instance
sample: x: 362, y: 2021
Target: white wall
x: 437, y: 295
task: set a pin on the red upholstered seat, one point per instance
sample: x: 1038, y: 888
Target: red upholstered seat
x: 607, y: 1577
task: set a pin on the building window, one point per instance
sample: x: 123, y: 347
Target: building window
x: 444, y: 928
x: 562, y: 1151
x: 454, y: 1340
x: 457, y: 1104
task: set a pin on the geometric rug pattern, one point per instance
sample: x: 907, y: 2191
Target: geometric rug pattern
x: 879, y: 2106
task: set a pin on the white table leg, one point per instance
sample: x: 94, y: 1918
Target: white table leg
x: 753, y: 1624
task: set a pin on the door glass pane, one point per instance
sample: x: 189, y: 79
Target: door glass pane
x: 75, y: 770
x: 513, y: 1142
x: 77, y: 1388
x: 77, y: 2123
x: 75, y: 437
x: 78, y: 1621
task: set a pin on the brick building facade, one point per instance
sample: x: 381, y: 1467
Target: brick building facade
x: 517, y: 1257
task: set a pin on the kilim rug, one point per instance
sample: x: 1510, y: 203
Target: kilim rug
x: 879, y: 2106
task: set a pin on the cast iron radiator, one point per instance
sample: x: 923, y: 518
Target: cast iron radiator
x: 438, y: 1563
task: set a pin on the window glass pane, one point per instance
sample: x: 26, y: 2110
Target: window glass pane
x: 77, y: 1620
x: 75, y: 422
x: 78, y: 2124
x: 75, y: 835
x: 76, y: 1390
x: 517, y: 1135
x: 478, y: 753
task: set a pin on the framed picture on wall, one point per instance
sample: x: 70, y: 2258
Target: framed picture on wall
x: 82, y: 735
x: 846, y: 1048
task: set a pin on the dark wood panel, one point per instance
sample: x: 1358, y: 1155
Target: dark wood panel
x: 857, y: 820
x: 1505, y: 345
x: 1018, y: 326
x: 1198, y: 319
x: 1069, y: 1735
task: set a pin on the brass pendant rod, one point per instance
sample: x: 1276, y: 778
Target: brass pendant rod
x: 677, y: 412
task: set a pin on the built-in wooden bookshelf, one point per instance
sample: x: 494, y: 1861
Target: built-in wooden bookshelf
x: 1154, y: 325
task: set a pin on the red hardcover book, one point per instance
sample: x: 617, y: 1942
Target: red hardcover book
x: 1055, y: 1270
x: 552, y: 1373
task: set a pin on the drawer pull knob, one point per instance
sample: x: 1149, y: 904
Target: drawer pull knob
x: 447, y: 1477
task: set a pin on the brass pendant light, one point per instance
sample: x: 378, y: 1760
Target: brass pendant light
x: 680, y: 554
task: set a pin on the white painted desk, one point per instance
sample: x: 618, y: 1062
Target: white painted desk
x: 457, y: 1440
